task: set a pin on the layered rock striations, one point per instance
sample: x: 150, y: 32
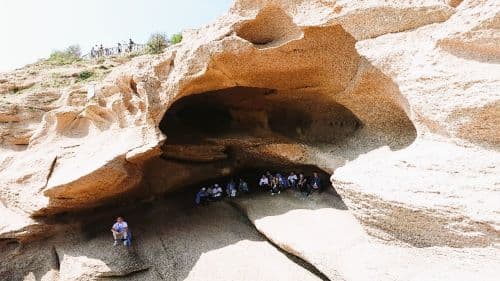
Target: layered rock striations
x: 398, y: 101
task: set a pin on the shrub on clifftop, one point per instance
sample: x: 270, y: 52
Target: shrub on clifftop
x: 176, y: 38
x: 157, y: 43
x: 68, y: 56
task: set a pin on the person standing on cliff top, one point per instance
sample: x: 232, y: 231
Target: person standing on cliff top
x: 120, y: 231
x: 130, y: 45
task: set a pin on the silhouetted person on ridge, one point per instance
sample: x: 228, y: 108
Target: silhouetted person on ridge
x: 130, y: 45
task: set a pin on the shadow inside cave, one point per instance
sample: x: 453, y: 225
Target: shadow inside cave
x: 259, y: 113
x: 174, y: 239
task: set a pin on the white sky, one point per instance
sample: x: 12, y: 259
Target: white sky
x: 31, y: 29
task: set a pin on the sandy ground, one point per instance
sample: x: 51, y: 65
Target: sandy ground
x: 172, y: 241
x: 237, y: 240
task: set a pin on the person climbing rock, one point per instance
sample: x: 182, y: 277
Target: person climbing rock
x: 120, y: 231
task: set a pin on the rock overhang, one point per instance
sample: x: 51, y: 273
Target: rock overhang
x: 138, y: 96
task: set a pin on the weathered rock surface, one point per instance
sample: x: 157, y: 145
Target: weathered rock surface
x: 321, y: 230
x: 398, y: 100
x: 208, y: 243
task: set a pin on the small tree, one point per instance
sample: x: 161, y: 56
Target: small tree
x: 176, y: 38
x: 68, y: 56
x: 74, y: 50
x: 157, y: 43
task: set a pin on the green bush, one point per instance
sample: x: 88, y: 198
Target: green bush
x: 68, y: 56
x: 84, y: 75
x: 176, y: 38
x: 156, y: 43
x: 74, y: 51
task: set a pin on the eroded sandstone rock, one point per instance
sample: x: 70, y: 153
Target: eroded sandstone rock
x: 398, y: 100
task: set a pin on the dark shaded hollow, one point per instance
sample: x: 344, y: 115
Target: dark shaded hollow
x: 252, y: 174
x: 135, y: 206
x: 271, y: 25
x: 173, y: 217
x: 258, y: 112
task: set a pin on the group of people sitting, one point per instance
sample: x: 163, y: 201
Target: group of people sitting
x: 216, y: 193
x: 276, y: 183
x: 268, y: 182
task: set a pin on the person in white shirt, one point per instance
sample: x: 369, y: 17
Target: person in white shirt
x: 120, y: 230
x: 292, y: 179
x: 216, y: 192
x: 264, y: 182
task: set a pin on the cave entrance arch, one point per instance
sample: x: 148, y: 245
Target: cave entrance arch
x: 305, y: 97
x: 216, y: 134
x: 258, y: 113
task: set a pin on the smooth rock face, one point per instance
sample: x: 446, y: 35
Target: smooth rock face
x: 398, y: 100
x: 321, y: 230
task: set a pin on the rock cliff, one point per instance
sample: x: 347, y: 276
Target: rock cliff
x: 397, y: 100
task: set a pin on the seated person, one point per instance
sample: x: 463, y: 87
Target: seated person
x: 316, y: 182
x: 120, y: 231
x: 209, y: 191
x: 292, y: 180
x: 216, y: 192
x: 302, y: 183
x: 243, y: 186
x: 231, y: 188
x: 264, y: 182
x: 282, y: 181
x: 275, y: 189
x: 201, y: 196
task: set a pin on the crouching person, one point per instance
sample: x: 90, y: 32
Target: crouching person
x: 316, y: 184
x: 243, y: 187
x: 202, y: 196
x: 264, y: 182
x: 120, y: 231
x: 231, y: 189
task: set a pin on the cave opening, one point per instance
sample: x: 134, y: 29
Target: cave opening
x: 140, y: 210
x: 215, y: 135
x: 258, y: 113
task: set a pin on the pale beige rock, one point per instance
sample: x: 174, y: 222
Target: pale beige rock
x: 322, y: 231
x: 212, y: 243
x: 398, y: 99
